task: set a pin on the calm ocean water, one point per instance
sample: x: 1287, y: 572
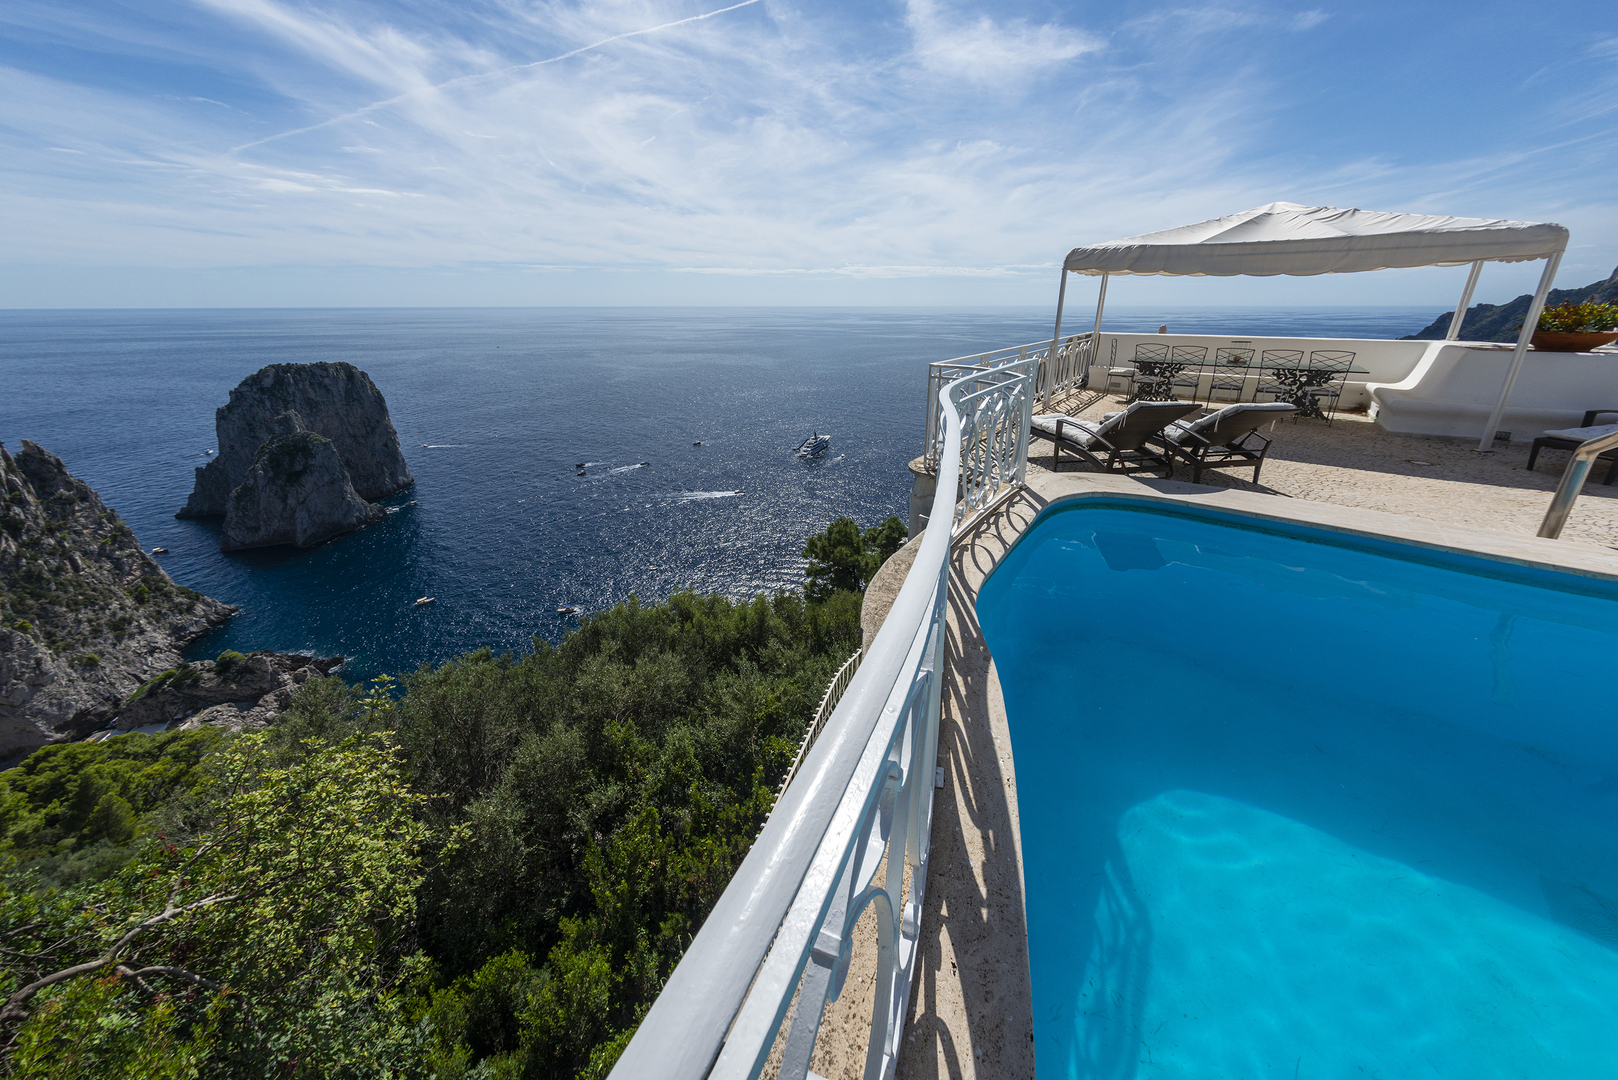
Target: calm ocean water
x: 495, y: 408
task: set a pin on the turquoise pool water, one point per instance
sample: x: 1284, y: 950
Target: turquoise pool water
x: 1295, y: 805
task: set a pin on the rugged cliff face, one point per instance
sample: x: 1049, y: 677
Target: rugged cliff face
x: 1500, y: 322
x: 338, y: 402
x: 235, y: 691
x: 86, y: 616
x: 297, y: 492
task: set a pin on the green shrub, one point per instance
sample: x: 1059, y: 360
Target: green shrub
x: 843, y: 559
x: 1585, y: 318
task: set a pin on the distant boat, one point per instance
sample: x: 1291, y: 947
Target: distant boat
x: 569, y: 611
x: 160, y: 551
x: 424, y: 600
x: 814, y: 445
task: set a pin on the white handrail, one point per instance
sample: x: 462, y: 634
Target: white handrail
x: 828, y: 703
x: 1572, y: 482
x: 862, y: 794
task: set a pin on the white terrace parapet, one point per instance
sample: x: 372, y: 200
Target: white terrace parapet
x: 1453, y: 388
x: 1384, y: 361
x: 1446, y: 388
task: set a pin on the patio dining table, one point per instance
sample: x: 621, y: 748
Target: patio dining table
x: 1300, y: 380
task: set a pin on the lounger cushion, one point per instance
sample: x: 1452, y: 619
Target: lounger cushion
x: 1081, y: 432
x: 1582, y: 434
x: 1176, y: 432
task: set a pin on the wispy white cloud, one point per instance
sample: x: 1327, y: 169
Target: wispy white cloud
x: 983, y: 50
x: 761, y: 140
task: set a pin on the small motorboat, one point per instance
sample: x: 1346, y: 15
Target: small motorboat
x: 160, y: 551
x: 814, y: 445
x: 424, y: 600
x: 569, y: 611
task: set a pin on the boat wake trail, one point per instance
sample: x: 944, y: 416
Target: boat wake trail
x: 629, y: 468
x: 686, y: 496
x: 443, y: 445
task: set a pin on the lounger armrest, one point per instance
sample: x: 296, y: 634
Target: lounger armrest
x: 1241, y: 443
x: 1590, y: 417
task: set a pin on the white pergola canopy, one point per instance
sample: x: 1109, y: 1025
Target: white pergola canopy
x: 1302, y: 241
x: 1285, y: 238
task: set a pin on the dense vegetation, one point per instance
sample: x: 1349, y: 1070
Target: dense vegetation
x: 485, y: 870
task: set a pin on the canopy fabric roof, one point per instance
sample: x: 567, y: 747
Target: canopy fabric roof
x: 1285, y: 238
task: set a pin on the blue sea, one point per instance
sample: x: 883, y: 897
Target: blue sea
x: 495, y: 410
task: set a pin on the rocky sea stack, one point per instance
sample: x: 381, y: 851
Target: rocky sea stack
x: 297, y: 492
x: 304, y: 452
x: 86, y: 616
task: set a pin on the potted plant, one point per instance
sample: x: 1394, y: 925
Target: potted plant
x: 1574, y: 327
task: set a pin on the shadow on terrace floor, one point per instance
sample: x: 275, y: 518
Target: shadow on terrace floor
x: 1353, y: 462
x: 971, y: 1013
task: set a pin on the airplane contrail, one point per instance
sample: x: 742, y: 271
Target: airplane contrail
x: 467, y: 79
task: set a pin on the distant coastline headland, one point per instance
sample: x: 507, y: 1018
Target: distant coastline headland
x: 305, y: 450
x: 1500, y: 322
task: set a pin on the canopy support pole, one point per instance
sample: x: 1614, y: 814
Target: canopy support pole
x: 1056, y: 334
x: 1095, y: 338
x: 1529, y: 322
x: 1466, y: 302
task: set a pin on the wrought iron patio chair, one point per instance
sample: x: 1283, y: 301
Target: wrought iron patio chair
x: 1119, y: 442
x: 1268, y: 386
x: 1570, y: 438
x: 1335, y: 363
x: 1188, y: 355
x: 1229, y: 372
x: 1148, y: 383
x: 1225, y: 439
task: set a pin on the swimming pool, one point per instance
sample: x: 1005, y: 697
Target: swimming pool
x: 1300, y: 804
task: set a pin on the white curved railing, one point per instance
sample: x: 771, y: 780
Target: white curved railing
x: 863, y: 796
x: 828, y: 705
x: 1071, y: 371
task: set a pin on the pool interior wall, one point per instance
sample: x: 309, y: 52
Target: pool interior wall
x: 1294, y: 807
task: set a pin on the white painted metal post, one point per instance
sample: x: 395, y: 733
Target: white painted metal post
x: 1046, y: 385
x: 1466, y: 302
x: 1530, y: 321
x: 1095, y: 338
x: 1056, y: 335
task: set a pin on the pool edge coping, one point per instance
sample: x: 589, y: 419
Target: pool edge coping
x: 1566, y: 556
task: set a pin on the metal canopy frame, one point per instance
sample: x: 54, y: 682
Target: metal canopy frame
x: 1530, y: 321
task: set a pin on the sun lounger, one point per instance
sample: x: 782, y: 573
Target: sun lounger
x: 1221, y: 440
x: 1570, y: 438
x: 1118, y: 441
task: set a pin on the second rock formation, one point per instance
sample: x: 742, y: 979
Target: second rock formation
x: 304, y: 450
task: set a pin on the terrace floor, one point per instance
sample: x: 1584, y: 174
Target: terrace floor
x: 1353, y: 462
x: 971, y: 1007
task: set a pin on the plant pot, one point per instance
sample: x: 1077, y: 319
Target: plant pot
x: 1562, y: 341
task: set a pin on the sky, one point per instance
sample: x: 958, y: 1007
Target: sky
x: 197, y: 153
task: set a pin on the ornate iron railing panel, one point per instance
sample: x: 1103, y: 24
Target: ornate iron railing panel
x: 1071, y: 371
x: 860, y: 803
